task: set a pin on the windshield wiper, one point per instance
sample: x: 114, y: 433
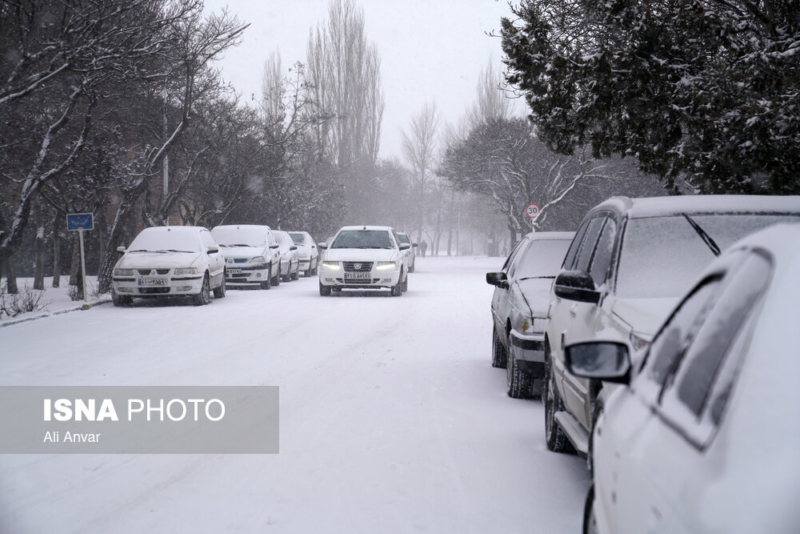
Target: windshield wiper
x: 173, y: 250
x: 702, y: 233
x: 143, y: 250
x: 533, y: 277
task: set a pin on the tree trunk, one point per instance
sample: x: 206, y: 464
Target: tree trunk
x: 57, y: 249
x: 11, y: 276
x: 39, y: 251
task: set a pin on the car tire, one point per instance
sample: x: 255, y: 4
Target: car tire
x: 405, y: 282
x: 499, y: 353
x: 397, y: 289
x: 296, y: 274
x: 589, y: 518
x: 276, y: 281
x: 219, y: 291
x: 324, y: 291
x: 519, y: 383
x: 554, y: 435
x: 121, y: 301
x: 267, y: 284
x: 204, y: 296
x: 413, y: 265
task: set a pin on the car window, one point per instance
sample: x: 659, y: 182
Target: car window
x: 160, y: 239
x: 542, y: 259
x: 298, y: 238
x: 510, y: 258
x: 207, y: 240
x: 404, y: 238
x: 363, y: 239
x: 569, y: 259
x: 701, y: 364
x: 587, y: 247
x: 604, y: 252
x: 519, y: 253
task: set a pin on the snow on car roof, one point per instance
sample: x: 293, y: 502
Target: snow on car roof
x: 364, y: 227
x: 186, y: 229
x: 660, y: 206
x: 551, y: 235
x: 243, y: 226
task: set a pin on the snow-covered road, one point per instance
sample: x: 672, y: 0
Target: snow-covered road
x: 391, y: 417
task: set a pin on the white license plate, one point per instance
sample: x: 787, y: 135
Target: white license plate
x: 358, y: 276
x: 234, y: 271
x: 152, y: 281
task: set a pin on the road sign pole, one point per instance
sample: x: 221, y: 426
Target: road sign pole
x: 83, y: 269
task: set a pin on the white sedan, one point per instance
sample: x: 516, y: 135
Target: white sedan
x: 170, y: 261
x: 251, y: 254
x: 705, y: 437
x: 307, y: 252
x: 290, y: 259
x: 364, y: 257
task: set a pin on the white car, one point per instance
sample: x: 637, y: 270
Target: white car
x: 169, y: 261
x: 410, y: 253
x: 251, y: 254
x: 705, y: 437
x: 307, y: 251
x: 630, y: 261
x: 290, y: 259
x: 364, y: 257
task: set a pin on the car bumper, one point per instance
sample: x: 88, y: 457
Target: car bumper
x: 305, y: 265
x: 172, y: 286
x: 529, y: 352
x: 336, y: 278
x: 246, y: 275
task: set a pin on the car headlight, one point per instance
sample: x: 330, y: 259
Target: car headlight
x: 259, y: 259
x: 123, y: 272
x: 383, y: 265
x: 189, y: 270
x: 533, y: 325
x: 331, y: 265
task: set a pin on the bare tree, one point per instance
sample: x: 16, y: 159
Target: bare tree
x: 419, y: 149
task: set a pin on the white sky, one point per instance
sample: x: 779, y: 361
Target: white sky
x: 431, y: 50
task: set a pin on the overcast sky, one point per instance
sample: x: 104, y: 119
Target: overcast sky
x: 431, y: 50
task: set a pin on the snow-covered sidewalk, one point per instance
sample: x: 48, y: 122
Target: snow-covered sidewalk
x: 53, y: 300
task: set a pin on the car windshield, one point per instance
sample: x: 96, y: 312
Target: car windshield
x: 363, y: 239
x: 543, y: 258
x: 403, y: 238
x: 240, y: 237
x: 164, y: 240
x: 661, y: 256
x: 298, y: 238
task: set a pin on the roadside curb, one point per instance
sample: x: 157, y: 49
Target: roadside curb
x: 83, y: 307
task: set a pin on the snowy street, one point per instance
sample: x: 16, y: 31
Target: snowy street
x: 391, y: 416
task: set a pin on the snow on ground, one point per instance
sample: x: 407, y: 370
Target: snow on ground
x: 52, y: 300
x: 392, y: 418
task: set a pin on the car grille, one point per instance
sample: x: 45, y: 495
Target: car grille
x: 153, y: 290
x: 148, y: 272
x: 358, y: 266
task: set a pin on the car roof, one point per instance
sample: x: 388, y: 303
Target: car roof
x: 242, y: 227
x: 699, y: 204
x: 179, y: 229
x: 365, y: 227
x: 538, y: 236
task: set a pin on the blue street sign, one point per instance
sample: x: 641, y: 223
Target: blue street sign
x: 80, y: 221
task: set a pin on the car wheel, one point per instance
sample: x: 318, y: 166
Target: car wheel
x: 296, y: 274
x: 121, y: 301
x: 277, y: 280
x: 325, y: 291
x: 411, y: 269
x: 589, y: 517
x: 219, y: 291
x: 397, y: 289
x: 555, y: 436
x: 519, y: 384
x: 204, y: 296
x: 268, y: 282
x: 314, y: 270
x: 499, y: 353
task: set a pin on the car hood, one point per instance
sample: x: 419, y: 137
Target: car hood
x: 537, y: 294
x: 155, y: 260
x: 242, y: 252
x: 360, y: 254
x: 645, y: 316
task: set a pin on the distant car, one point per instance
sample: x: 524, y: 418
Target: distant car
x: 705, y: 437
x: 169, y: 261
x: 364, y: 257
x: 628, y: 264
x: 410, y: 253
x: 519, y: 308
x: 251, y: 255
x: 307, y: 252
x: 290, y: 259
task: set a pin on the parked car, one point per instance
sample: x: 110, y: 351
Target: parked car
x: 290, y: 259
x: 519, y: 308
x: 251, y: 255
x: 628, y: 264
x: 169, y: 261
x: 307, y: 251
x: 705, y: 437
x: 364, y: 257
x: 410, y: 253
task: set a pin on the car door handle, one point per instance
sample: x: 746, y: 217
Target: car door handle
x: 573, y: 310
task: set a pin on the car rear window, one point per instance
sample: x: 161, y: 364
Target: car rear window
x: 543, y: 258
x: 661, y: 256
x: 363, y: 239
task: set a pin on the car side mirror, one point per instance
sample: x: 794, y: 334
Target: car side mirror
x: 293, y: 247
x: 274, y: 245
x: 323, y: 246
x: 578, y: 286
x: 608, y: 361
x: 213, y: 250
x: 313, y: 246
x: 497, y: 279
x: 415, y: 245
x: 404, y: 246
x: 121, y: 250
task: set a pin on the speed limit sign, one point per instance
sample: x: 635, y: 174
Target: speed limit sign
x: 532, y: 210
